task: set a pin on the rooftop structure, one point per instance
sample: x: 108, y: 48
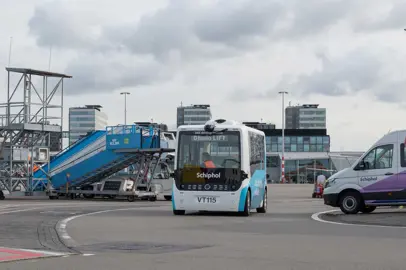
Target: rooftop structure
x: 258, y: 125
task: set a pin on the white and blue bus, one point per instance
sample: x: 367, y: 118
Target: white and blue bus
x: 220, y: 166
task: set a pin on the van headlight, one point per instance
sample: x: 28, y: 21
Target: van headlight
x: 329, y: 182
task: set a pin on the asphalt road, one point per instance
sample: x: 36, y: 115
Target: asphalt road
x: 384, y: 217
x: 148, y: 236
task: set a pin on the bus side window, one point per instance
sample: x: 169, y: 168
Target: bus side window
x: 402, y: 155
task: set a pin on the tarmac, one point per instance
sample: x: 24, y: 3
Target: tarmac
x: 80, y: 234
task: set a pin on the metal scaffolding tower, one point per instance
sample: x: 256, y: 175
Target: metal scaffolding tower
x: 27, y: 119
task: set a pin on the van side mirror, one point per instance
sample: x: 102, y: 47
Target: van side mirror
x: 244, y: 175
x: 267, y: 176
x: 361, y: 165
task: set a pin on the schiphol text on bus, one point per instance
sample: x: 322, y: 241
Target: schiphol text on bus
x: 220, y: 166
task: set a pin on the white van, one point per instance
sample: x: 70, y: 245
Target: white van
x: 378, y: 178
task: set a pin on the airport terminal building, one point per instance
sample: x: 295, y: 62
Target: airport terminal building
x: 307, y: 154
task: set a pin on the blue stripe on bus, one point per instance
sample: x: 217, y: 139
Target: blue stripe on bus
x: 173, y: 198
x: 243, y: 196
x: 258, y: 175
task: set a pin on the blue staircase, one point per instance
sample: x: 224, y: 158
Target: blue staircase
x: 75, y: 149
x: 124, y: 146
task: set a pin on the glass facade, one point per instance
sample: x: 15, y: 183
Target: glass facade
x: 301, y: 171
x: 298, y: 143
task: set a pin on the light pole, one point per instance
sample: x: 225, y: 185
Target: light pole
x: 125, y: 106
x: 283, y: 136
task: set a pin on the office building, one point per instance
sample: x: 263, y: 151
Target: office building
x: 85, y: 119
x: 193, y: 115
x: 306, y: 116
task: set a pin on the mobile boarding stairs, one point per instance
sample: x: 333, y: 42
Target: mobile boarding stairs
x: 101, y: 155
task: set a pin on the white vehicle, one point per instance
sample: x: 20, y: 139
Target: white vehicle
x: 115, y: 187
x: 220, y: 166
x: 378, y: 178
x: 162, y: 180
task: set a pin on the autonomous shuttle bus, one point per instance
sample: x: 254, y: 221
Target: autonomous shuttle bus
x: 220, y: 166
x: 378, y: 178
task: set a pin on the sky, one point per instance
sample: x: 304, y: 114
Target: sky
x: 348, y: 56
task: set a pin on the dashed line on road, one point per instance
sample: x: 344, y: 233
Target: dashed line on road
x: 316, y: 217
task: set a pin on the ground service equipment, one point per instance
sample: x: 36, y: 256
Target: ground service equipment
x: 99, y: 156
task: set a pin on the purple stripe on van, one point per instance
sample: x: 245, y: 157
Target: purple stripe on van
x: 391, y: 183
x: 382, y: 190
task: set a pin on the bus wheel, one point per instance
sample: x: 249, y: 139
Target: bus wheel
x: 247, y: 207
x: 367, y: 209
x: 350, y: 202
x: 179, y: 212
x: 264, y: 206
x: 168, y: 198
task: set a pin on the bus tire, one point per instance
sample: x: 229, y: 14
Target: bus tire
x: 179, y: 212
x: 264, y: 206
x: 2, y: 197
x: 350, y: 202
x: 247, y: 207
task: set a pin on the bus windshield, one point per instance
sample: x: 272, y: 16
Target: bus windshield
x: 209, y: 158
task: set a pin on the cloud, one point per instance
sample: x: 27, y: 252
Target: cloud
x: 361, y: 70
x: 151, y: 48
x: 104, y: 73
x: 387, y: 15
x: 188, y: 27
x: 59, y: 24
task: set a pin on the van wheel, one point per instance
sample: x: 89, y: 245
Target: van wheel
x: 350, y: 202
x: 367, y: 209
x: 264, y: 206
x: 179, y: 212
x: 247, y: 208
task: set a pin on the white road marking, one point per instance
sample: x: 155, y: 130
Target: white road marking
x: 316, y: 217
x: 19, y: 210
x: 61, y: 226
x: 59, y: 212
x: 47, y: 253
